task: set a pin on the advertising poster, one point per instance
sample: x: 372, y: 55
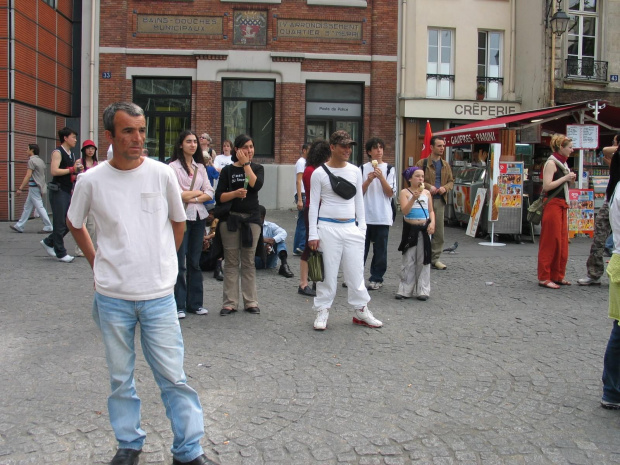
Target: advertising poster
x: 580, y: 212
x: 510, y: 184
x: 462, y: 199
x: 476, y: 211
x: 494, y: 198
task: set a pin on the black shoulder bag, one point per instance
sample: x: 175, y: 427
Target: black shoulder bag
x: 341, y: 186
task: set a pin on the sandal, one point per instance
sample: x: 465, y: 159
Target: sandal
x: 563, y: 283
x: 549, y: 284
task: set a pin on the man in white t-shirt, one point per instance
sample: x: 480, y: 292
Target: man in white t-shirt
x: 379, y: 186
x: 299, y: 242
x: 334, y: 233
x: 139, y: 217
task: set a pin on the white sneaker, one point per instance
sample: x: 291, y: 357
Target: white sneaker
x: 373, y: 286
x: 589, y: 281
x: 321, y: 319
x: 67, y: 259
x: 364, y: 317
x: 48, y: 249
x: 202, y: 311
x: 181, y: 314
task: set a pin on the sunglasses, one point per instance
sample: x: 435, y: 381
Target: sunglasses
x: 203, y: 138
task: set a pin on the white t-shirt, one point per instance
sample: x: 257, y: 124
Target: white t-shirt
x: 614, y: 217
x: 136, y: 256
x: 221, y: 161
x: 377, y: 205
x: 300, y: 166
x: 331, y: 204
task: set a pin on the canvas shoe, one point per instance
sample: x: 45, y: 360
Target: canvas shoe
x: 201, y: 311
x: 67, y: 259
x: 48, y: 249
x: 16, y: 229
x: 373, y: 286
x: 438, y: 265
x: 181, y: 314
x: 610, y: 405
x: 321, y: 319
x: 589, y: 281
x: 364, y: 317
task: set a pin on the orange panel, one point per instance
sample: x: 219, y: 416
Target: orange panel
x: 4, y: 86
x: 64, y: 78
x: 25, y: 88
x: 47, y: 17
x: 25, y: 59
x: 27, y: 8
x: 65, y: 7
x: 47, y: 43
x: 64, y: 102
x: 46, y: 69
x: 64, y: 31
x: 65, y: 54
x: 25, y: 30
x: 46, y: 95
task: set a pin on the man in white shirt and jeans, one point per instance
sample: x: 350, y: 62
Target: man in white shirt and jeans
x: 379, y: 186
x: 139, y: 217
x: 334, y: 233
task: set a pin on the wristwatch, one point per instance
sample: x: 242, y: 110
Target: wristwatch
x: 246, y: 164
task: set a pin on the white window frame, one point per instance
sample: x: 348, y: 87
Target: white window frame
x: 440, y: 87
x: 579, y: 15
x: 493, y: 86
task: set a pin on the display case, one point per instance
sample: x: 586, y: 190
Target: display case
x: 467, y: 180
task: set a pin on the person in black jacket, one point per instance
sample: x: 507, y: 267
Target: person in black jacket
x: 240, y: 228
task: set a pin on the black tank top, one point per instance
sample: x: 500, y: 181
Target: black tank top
x: 66, y: 161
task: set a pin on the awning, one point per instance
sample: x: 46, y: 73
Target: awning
x: 488, y: 131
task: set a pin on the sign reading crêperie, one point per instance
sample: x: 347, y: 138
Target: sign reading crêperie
x: 316, y: 29
x: 189, y: 25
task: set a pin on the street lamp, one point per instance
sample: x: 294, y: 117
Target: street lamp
x: 559, y: 23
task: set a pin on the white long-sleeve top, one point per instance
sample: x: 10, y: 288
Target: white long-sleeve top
x: 327, y: 204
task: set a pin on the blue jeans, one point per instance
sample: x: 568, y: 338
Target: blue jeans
x: 188, y: 291
x: 611, y: 366
x: 378, y: 235
x: 59, y: 201
x: 299, y: 242
x: 162, y: 345
x: 609, y: 243
x: 272, y: 258
x: 35, y: 201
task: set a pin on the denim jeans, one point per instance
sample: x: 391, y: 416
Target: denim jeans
x: 299, y: 242
x: 611, y: 366
x: 378, y: 235
x: 609, y: 243
x: 272, y: 258
x: 59, y: 201
x: 35, y: 201
x: 162, y: 345
x: 188, y: 291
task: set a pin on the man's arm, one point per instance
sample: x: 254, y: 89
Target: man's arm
x: 25, y: 181
x: 178, y: 229
x: 84, y: 242
x: 300, y: 202
x: 608, y: 153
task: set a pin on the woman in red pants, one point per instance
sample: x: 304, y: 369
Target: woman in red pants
x: 553, y: 247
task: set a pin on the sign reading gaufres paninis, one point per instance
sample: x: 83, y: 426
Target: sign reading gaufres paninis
x: 317, y: 29
x: 190, y: 25
x: 485, y: 136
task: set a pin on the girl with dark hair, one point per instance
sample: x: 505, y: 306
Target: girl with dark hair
x: 237, y: 207
x: 318, y: 153
x: 418, y: 224
x: 187, y: 163
x: 89, y: 160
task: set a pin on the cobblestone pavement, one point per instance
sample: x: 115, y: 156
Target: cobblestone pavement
x: 492, y: 369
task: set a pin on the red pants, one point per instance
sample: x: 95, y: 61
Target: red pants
x: 553, y: 247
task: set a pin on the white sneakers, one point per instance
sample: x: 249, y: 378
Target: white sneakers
x: 589, y: 281
x: 373, y: 286
x: 180, y: 314
x: 202, y: 311
x: 48, y: 249
x: 67, y: 259
x: 321, y: 319
x: 364, y: 317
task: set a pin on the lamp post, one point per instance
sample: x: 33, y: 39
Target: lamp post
x: 558, y: 23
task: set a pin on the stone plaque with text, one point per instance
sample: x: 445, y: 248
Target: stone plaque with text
x: 318, y: 29
x: 189, y: 25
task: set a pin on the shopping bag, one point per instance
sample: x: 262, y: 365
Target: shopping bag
x: 316, y: 271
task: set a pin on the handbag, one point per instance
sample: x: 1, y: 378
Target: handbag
x: 341, y: 186
x: 535, y: 211
x: 316, y: 270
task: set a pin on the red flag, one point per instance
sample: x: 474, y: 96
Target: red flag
x: 426, y: 148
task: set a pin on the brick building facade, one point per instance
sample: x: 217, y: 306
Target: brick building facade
x: 286, y: 71
x: 37, y: 63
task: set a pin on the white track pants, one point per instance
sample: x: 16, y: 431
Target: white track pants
x: 341, y: 243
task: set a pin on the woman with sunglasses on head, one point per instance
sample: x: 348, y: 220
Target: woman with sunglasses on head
x: 240, y: 228
x: 187, y: 163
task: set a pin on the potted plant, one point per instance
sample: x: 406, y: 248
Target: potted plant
x: 480, y: 90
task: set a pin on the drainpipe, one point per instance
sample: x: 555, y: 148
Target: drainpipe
x: 9, y: 145
x: 91, y: 104
x: 400, y: 79
x: 513, y: 46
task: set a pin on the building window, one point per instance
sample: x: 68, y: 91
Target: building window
x: 249, y: 109
x: 167, y: 105
x: 51, y: 3
x: 582, y: 38
x: 439, y: 74
x: 490, y: 64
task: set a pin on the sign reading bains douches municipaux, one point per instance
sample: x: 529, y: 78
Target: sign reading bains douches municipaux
x: 189, y: 25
